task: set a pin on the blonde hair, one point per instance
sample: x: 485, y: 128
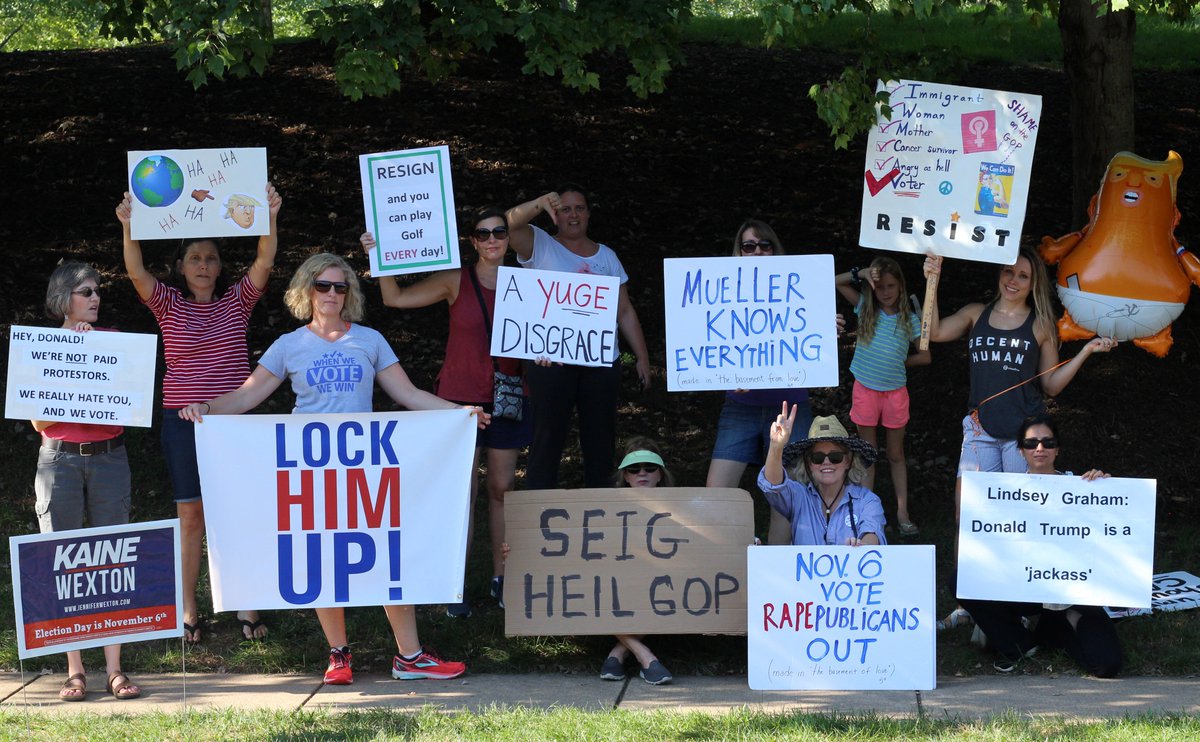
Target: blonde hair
x: 764, y: 233
x: 857, y: 473
x: 298, y: 297
x: 240, y: 199
x: 642, y: 443
x: 871, y: 310
x: 1039, y: 292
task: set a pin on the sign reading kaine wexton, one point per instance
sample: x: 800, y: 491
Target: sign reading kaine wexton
x: 949, y: 172
x: 181, y: 193
x: 408, y: 198
x: 765, y: 323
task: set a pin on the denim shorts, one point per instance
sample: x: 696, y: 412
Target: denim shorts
x: 179, y: 447
x: 503, y: 433
x: 982, y: 452
x: 68, y: 484
x: 744, y: 431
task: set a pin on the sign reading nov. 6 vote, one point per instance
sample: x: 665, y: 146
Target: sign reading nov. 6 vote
x: 318, y: 511
x: 762, y: 323
x: 1056, y: 539
x: 563, y: 317
x: 408, y: 197
x: 841, y: 618
x: 181, y: 193
x: 84, y: 377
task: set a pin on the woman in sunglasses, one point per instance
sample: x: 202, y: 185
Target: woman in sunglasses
x: 1085, y: 632
x: 203, y: 320
x: 816, y: 483
x: 467, y: 371
x: 82, y: 468
x: 642, y: 466
x: 325, y: 291
x: 744, y: 428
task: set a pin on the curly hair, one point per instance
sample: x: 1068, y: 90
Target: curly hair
x: 298, y: 297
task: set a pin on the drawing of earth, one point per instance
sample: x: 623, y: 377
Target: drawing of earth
x: 157, y: 181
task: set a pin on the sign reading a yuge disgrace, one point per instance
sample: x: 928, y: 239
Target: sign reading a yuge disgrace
x: 408, y: 197
x: 562, y: 317
x: 180, y: 193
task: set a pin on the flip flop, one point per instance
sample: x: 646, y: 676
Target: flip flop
x: 249, y: 627
x: 191, y: 631
x: 77, y: 682
x: 909, y: 529
x: 121, y: 688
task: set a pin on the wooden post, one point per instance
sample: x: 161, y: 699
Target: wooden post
x: 931, y: 285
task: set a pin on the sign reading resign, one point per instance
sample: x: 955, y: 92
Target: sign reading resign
x: 949, y: 172
x: 564, y: 317
x: 765, y: 323
x: 841, y: 618
x: 408, y: 198
x: 96, y: 586
x: 83, y: 377
x: 181, y: 193
x: 1056, y: 539
x: 319, y: 511
x: 627, y: 561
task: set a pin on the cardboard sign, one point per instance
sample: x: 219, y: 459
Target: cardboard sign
x: 83, y: 377
x: 318, y: 511
x: 96, y: 586
x: 408, y: 198
x: 1170, y: 591
x: 180, y: 193
x: 1056, y: 539
x: 950, y: 171
x: 564, y: 317
x: 627, y: 561
x: 765, y: 323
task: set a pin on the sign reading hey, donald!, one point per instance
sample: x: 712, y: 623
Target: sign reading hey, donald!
x: 764, y: 323
x: 181, y: 193
x: 317, y: 511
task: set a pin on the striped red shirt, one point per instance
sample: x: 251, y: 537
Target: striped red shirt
x: 204, y: 344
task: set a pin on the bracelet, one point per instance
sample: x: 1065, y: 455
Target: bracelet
x: 855, y: 281
x: 207, y: 407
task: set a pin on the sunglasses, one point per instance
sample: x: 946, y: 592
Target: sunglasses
x: 482, y: 234
x: 323, y: 287
x: 750, y: 246
x: 820, y: 457
x: 1047, y: 443
x: 86, y: 292
x: 641, y: 469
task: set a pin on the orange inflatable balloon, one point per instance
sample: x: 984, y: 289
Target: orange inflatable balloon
x: 1124, y: 275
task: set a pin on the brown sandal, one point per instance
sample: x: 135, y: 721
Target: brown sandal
x: 77, y: 682
x: 121, y: 688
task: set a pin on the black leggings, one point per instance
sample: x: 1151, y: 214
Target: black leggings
x: 1092, y: 643
x: 556, y: 391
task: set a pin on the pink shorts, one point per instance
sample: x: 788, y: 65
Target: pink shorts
x: 870, y: 407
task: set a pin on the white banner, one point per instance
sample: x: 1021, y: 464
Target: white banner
x: 180, y: 193
x: 318, y: 511
x: 950, y: 171
x: 564, y: 317
x: 1170, y: 591
x: 408, y: 198
x: 841, y: 618
x: 761, y: 323
x: 1056, y: 539
x: 84, y: 377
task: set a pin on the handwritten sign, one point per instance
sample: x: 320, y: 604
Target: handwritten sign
x: 1170, y: 591
x: 96, y: 586
x: 627, y: 561
x: 83, y: 377
x: 841, y: 618
x: 950, y: 171
x: 317, y: 511
x: 564, y: 317
x: 181, y: 193
x: 765, y: 323
x: 1056, y: 539
x: 408, y: 198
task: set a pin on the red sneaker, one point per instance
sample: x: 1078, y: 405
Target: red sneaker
x: 426, y: 666
x: 338, y: 672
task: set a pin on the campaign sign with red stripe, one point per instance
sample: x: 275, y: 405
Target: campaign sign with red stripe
x: 96, y: 586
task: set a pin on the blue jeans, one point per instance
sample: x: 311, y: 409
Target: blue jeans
x: 744, y: 431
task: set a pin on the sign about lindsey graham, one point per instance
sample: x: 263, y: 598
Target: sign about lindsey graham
x: 96, y: 586
x: 320, y: 511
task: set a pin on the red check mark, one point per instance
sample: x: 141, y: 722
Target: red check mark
x: 875, y: 185
x: 883, y: 145
x: 884, y: 164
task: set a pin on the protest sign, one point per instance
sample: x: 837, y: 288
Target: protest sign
x: 320, y: 511
x: 949, y: 172
x: 1170, y: 591
x: 179, y: 193
x: 1056, y: 539
x: 84, y: 377
x: 841, y: 618
x: 96, y: 586
x: 408, y: 198
x: 627, y: 561
x: 564, y: 317
x: 766, y: 323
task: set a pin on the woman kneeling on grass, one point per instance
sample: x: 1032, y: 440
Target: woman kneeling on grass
x: 325, y: 291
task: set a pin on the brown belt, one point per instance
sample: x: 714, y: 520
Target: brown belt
x: 90, y: 448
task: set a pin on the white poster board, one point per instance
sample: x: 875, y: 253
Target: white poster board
x: 180, y: 193
x: 950, y: 171
x: 1056, y: 539
x: 563, y: 317
x: 316, y: 511
x: 761, y: 323
x: 408, y: 198
x: 841, y: 618
x: 1170, y: 591
x: 84, y: 377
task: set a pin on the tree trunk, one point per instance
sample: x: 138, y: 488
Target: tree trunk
x: 266, y: 18
x: 1098, y: 58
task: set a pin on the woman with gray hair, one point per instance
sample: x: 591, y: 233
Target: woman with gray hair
x: 82, y: 467
x: 326, y: 292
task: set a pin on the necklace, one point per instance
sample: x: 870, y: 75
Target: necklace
x: 829, y: 505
